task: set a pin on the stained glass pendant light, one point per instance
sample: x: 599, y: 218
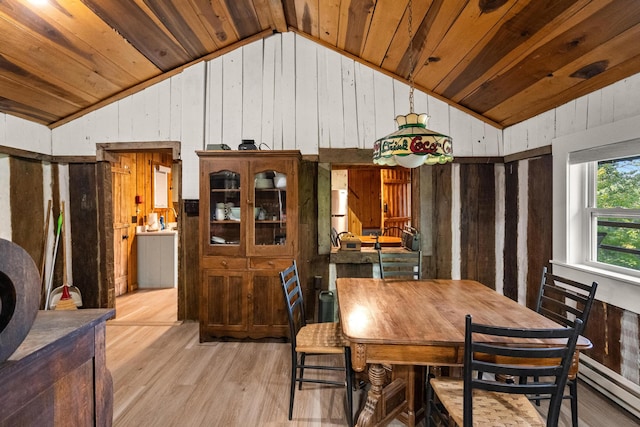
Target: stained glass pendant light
x: 412, y: 144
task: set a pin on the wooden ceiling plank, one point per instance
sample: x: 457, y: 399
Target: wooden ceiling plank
x: 139, y: 29
x: 564, y: 49
x: 215, y: 19
x: 290, y: 13
x: 385, y: 23
x: 243, y: 17
x: 517, y: 31
x: 49, y: 33
x: 181, y: 20
x: 446, y: 12
x: 75, y: 18
x: 26, y: 112
x: 396, y: 58
x: 563, y: 84
x: 50, y: 63
x: 458, y: 38
x: 307, y: 16
x: 263, y: 13
x: 343, y: 24
x: 43, y: 101
x: 278, y: 16
x: 328, y: 21
x: 13, y: 69
x: 358, y: 23
x: 577, y: 12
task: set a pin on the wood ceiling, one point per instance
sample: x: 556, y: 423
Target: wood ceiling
x: 504, y: 61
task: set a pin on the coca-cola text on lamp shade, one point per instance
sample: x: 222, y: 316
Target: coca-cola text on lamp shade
x: 413, y: 144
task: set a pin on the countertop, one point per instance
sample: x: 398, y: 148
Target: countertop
x: 157, y: 233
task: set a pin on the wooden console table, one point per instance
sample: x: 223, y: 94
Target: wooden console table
x: 58, y: 375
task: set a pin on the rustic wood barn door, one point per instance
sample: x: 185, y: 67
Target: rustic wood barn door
x: 122, y: 200
x: 396, y: 199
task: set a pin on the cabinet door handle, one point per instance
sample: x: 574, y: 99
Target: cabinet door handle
x: 224, y: 263
x: 271, y: 263
x: 125, y: 237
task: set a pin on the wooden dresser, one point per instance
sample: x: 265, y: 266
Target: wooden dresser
x: 58, y: 376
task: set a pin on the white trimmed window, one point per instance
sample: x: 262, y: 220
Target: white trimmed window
x: 611, y: 214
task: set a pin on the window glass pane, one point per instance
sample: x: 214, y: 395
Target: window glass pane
x: 618, y: 183
x: 617, y: 219
x: 619, y: 242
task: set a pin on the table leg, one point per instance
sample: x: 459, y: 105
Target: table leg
x: 383, y: 404
x: 414, y: 377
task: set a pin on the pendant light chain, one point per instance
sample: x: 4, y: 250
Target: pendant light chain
x: 410, y: 21
x: 412, y: 145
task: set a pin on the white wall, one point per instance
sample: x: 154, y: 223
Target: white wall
x: 285, y: 92
x: 25, y: 135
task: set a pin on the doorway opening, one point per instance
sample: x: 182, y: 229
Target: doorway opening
x: 369, y: 200
x: 145, y: 229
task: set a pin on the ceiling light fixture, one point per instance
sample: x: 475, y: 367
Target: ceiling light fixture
x: 412, y: 144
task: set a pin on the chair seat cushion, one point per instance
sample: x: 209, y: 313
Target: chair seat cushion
x: 489, y: 408
x: 321, y: 338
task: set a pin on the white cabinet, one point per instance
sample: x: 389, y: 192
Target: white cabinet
x: 157, y: 259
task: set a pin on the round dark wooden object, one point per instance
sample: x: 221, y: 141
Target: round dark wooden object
x: 19, y: 296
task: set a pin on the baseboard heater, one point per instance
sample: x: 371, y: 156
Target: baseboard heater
x: 611, y: 384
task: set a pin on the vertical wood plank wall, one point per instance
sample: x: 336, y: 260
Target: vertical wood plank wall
x: 477, y: 225
x: 84, y: 214
x: 510, y: 282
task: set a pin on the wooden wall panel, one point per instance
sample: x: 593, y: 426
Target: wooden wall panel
x: 84, y: 212
x: 477, y: 223
x: 310, y: 263
x: 188, y: 293
x: 510, y: 286
x: 604, y: 331
x: 539, y: 224
x: 441, y: 265
x: 27, y: 209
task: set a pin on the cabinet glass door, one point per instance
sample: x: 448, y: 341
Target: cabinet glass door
x: 270, y: 208
x: 225, y: 214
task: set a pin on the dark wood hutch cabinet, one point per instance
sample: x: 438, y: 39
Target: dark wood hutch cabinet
x: 248, y: 234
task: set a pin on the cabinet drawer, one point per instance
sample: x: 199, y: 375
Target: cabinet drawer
x: 221, y: 262
x: 277, y: 264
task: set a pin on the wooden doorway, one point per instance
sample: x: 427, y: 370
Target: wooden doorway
x: 379, y: 199
x: 128, y: 198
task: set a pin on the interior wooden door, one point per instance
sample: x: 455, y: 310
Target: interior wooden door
x: 396, y: 199
x: 122, y: 199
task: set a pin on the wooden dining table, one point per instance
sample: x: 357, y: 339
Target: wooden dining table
x: 411, y: 324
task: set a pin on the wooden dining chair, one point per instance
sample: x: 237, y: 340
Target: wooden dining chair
x: 405, y: 265
x: 313, y: 339
x: 563, y: 301
x: 490, y: 402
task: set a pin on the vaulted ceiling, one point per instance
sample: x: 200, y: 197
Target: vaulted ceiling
x: 504, y: 61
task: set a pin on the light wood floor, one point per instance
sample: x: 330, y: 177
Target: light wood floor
x: 164, y: 377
